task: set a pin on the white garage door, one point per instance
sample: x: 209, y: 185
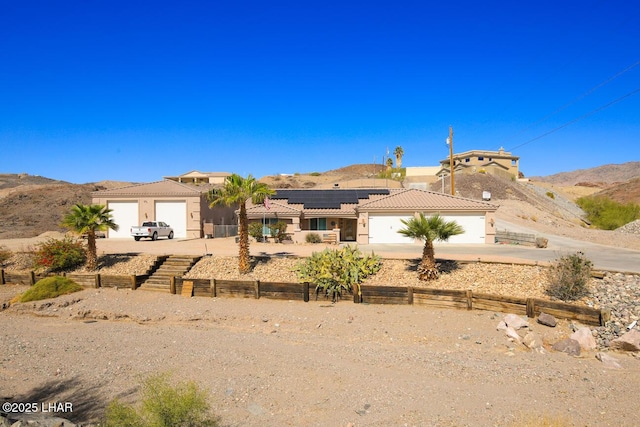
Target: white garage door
x: 125, y: 214
x: 174, y: 214
x: 473, y: 225
x: 384, y: 229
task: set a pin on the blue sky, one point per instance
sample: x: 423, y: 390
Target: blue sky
x: 134, y: 91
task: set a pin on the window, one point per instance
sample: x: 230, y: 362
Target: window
x: 266, y: 222
x: 467, y: 160
x: 480, y: 158
x: 318, y: 224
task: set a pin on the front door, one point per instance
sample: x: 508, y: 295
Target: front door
x: 348, y: 230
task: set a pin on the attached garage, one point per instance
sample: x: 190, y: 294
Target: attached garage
x: 173, y: 213
x: 384, y: 216
x: 125, y: 214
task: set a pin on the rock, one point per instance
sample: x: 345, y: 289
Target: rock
x: 569, y: 346
x: 547, y: 320
x: 627, y: 342
x: 541, y: 242
x: 516, y: 322
x: 501, y: 326
x: 585, y: 338
x: 511, y: 333
x: 608, y: 361
x: 533, y: 341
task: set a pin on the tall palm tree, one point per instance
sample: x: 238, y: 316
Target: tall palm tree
x: 429, y: 229
x: 389, y: 163
x: 235, y: 191
x: 399, y: 152
x: 88, y: 219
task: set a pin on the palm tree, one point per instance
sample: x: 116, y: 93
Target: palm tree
x: 399, y: 152
x: 236, y: 190
x: 429, y: 229
x: 87, y: 220
x: 389, y: 163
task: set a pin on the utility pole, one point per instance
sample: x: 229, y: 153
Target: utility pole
x: 450, y: 143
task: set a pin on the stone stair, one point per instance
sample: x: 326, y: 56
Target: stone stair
x: 173, y: 266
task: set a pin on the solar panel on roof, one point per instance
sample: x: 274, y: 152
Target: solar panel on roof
x: 327, y: 199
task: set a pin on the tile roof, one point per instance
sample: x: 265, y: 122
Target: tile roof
x: 278, y: 208
x: 165, y: 188
x: 416, y: 199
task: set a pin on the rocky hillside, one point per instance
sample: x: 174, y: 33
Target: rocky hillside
x: 601, y: 175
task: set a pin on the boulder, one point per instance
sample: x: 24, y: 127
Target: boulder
x: 516, y: 322
x: 628, y: 342
x: 533, y: 341
x: 511, y: 333
x: 584, y: 336
x: 569, y: 346
x: 547, y: 320
x: 608, y: 361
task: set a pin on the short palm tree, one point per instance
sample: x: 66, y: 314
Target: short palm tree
x: 235, y: 191
x: 429, y: 229
x: 399, y: 152
x: 87, y: 220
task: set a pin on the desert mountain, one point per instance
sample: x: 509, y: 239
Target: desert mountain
x: 603, y: 175
x: 32, y: 205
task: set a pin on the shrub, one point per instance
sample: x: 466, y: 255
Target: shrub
x: 315, y: 174
x: 164, y: 405
x: 255, y: 230
x: 278, y: 230
x: 57, y: 255
x: 313, y: 238
x: 50, y: 287
x: 337, y: 271
x: 551, y: 195
x: 5, y: 254
x: 608, y: 214
x: 569, y: 277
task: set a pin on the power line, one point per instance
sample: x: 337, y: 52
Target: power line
x: 615, y: 101
x: 573, y: 101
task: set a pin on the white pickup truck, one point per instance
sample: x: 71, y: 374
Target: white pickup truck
x: 152, y: 230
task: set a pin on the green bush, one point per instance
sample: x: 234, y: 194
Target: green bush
x: 57, y: 255
x: 551, y: 195
x: 278, y: 230
x: 5, y: 254
x: 50, y: 287
x: 164, y: 405
x: 255, y: 231
x: 607, y: 214
x: 569, y: 276
x: 315, y: 174
x: 313, y: 238
x: 337, y: 271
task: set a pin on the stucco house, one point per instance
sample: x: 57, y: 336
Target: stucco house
x: 501, y: 163
x: 366, y: 216
x: 197, y: 177
x: 183, y: 206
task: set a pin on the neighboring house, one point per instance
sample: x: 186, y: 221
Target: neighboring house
x: 367, y: 216
x: 184, y: 207
x: 421, y: 177
x: 197, y: 177
x: 499, y: 163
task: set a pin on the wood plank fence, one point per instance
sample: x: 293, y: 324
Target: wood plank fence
x: 365, y: 294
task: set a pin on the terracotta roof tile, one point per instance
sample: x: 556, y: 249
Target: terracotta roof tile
x: 416, y: 199
x: 158, y: 188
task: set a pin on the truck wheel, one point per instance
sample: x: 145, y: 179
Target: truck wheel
x: 171, y: 235
x: 136, y: 238
x: 154, y: 236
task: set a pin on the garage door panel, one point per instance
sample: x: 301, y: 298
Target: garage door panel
x: 125, y: 214
x: 173, y: 213
x: 474, y: 228
x: 384, y: 229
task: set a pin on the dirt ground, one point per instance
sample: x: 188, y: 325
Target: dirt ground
x: 289, y: 363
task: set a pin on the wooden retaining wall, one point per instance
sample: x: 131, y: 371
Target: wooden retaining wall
x: 366, y: 294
